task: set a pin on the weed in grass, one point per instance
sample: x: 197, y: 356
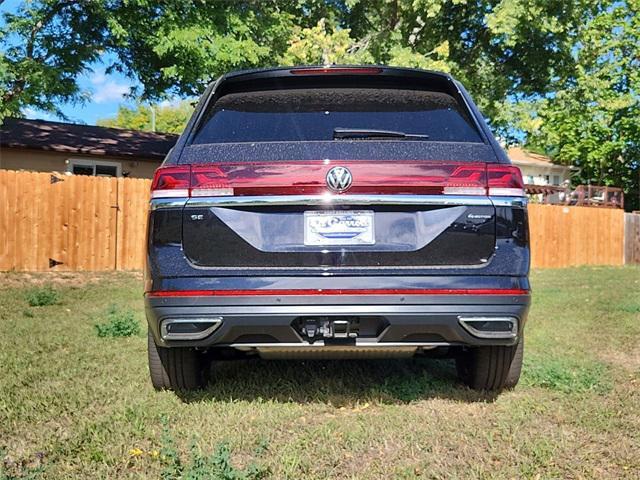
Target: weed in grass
x: 564, y: 375
x: 631, y: 307
x: 42, y: 296
x: 21, y: 470
x: 263, y: 446
x: 120, y: 323
x: 28, y: 313
x: 200, y: 466
x: 169, y: 453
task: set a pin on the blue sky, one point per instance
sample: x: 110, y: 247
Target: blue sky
x: 106, y: 92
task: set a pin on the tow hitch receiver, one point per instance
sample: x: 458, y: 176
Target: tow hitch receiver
x: 320, y: 328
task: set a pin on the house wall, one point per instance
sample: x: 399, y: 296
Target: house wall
x: 43, y: 161
x: 541, y: 175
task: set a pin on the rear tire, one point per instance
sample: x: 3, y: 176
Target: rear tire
x: 175, y: 369
x: 491, y: 368
x: 516, y: 366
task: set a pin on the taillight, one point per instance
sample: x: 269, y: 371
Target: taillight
x: 210, y: 181
x: 466, y: 180
x: 309, y: 178
x: 504, y: 180
x: 171, y: 182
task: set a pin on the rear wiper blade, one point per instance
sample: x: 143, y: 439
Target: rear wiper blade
x: 367, y: 133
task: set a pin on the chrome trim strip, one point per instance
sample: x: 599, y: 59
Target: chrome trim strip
x: 467, y: 321
x: 318, y: 200
x: 160, y: 203
x: 321, y: 344
x: 509, y: 201
x: 215, y: 321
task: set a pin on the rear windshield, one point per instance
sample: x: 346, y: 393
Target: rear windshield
x: 314, y: 114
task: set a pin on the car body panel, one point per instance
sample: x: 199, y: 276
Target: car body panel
x: 432, y: 250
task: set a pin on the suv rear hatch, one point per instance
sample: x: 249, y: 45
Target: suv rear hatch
x: 257, y: 173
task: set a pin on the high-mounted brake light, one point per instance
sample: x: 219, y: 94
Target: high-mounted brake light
x: 336, y: 71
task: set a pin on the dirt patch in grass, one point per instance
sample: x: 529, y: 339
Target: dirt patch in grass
x: 68, y: 279
x: 629, y: 360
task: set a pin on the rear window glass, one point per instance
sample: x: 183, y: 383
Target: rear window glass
x: 313, y: 114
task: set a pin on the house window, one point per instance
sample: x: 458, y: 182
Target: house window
x: 80, y: 166
x: 546, y: 179
x: 556, y: 179
x: 530, y: 179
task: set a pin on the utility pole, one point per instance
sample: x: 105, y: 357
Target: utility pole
x: 153, y: 117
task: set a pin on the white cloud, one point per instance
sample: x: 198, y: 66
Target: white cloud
x: 29, y: 112
x: 34, y: 114
x: 110, y: 91
x: 106, y: 90
x: 98, y: 78
x: 170, y: 102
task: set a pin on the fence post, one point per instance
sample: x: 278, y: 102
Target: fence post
x: 631, y: 238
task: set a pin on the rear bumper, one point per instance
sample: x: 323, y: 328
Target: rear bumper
x: 248, y: 322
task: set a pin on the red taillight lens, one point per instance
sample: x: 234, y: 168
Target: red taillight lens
x: 309, y: 178
x: 210, y: 181
x: 171, y: 182
x: 466, y: 180
x: 504, y: 180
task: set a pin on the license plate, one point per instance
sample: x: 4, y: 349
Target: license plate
x: 339, y: 228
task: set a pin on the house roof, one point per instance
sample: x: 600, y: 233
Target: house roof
x: 520, y: 156
x: 85, y: 139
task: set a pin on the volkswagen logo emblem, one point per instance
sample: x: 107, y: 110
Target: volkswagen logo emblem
x: 339, y: 179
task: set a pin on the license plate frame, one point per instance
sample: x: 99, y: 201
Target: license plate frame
x: 339, y: 227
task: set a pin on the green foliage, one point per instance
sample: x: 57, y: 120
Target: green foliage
x: 591, y: 121
x: 42, y: 296
x: 497, y: 48
x: 119, y: 323
x: 200, y: 466
x: 321, y: 44
x: 563, y: 74
x: 168, y: 119
x: 47, y: 44
x: 631, y: 307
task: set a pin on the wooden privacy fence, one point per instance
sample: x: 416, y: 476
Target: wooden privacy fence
x: 61, y: 222
x: 570, y: 236
x: 631, y: 238
x: 52, y: 222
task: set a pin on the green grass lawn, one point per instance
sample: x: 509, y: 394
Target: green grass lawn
x: 77, y: 405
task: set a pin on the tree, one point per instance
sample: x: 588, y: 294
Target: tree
x: 561, y: 74
x: 499, y: 48
x: 48, y: 44
x: 591, y: 121
x: 168, y: 119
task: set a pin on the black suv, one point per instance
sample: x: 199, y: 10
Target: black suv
x: 337, y: 212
